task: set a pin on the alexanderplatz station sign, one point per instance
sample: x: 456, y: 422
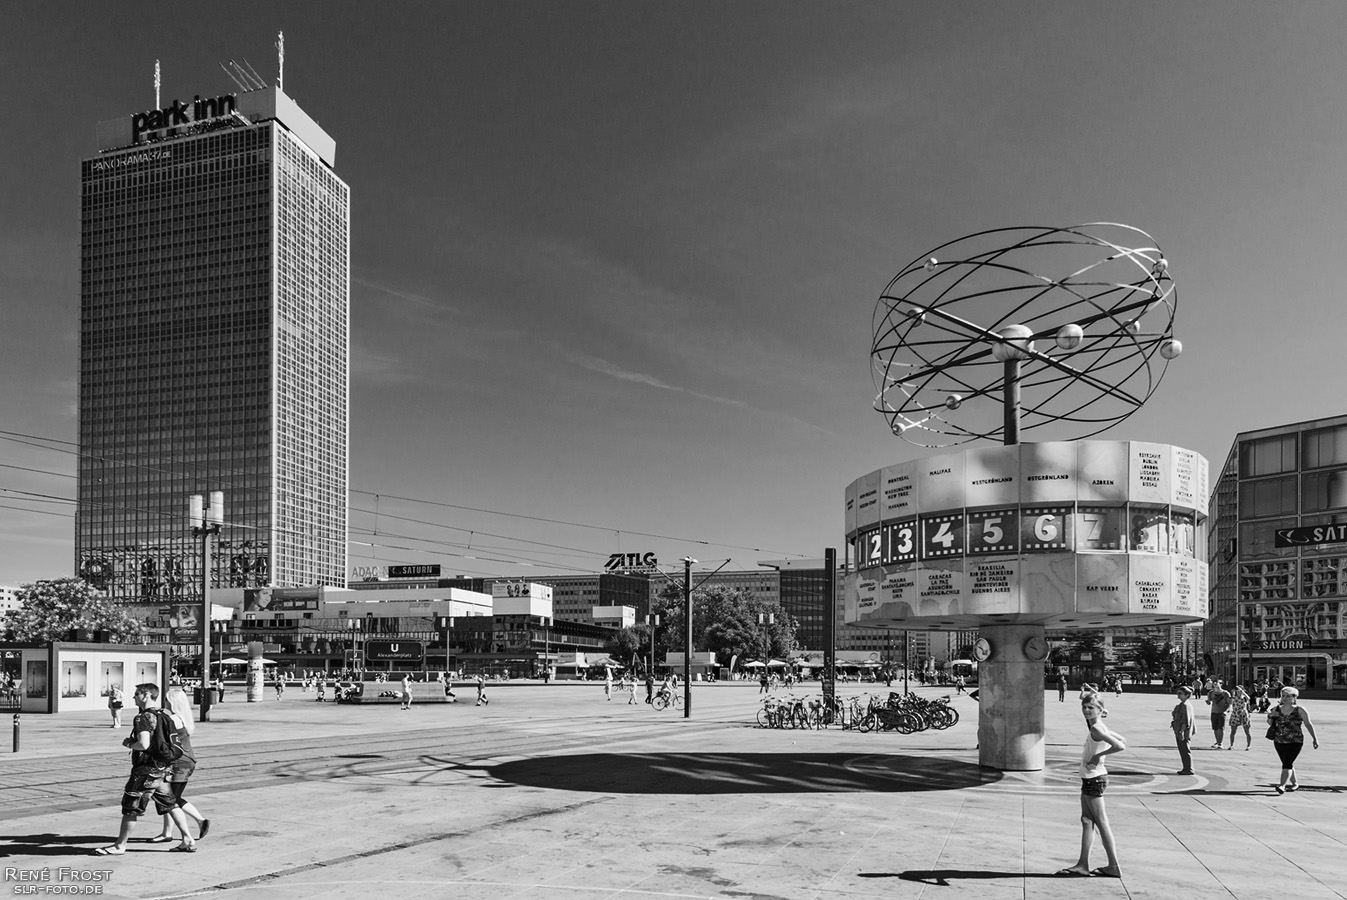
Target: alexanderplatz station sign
x: 1076, y: 534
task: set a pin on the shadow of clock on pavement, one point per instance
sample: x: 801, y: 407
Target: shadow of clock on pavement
x: 741, y: 773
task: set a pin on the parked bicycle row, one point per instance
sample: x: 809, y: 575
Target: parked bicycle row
x: 904, y: 713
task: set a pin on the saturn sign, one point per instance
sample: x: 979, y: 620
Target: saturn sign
x: 1309, y: 535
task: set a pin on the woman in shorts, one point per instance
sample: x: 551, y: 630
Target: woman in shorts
x: 176, y: 704
x: 1287, y: 722
x: 1099, y: 742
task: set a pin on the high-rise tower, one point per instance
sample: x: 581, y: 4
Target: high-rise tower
x: 214, y: 346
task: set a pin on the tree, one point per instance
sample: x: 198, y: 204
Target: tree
x: 625, y: 645
x: 726, y: 622
x: 1088, y: 642
x: 1149, y: 656
x: 49, y: 609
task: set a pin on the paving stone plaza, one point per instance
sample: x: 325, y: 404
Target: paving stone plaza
x: 553, y: 792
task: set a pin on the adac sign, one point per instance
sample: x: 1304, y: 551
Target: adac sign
x: 396, y: 651
x: 181, y: 115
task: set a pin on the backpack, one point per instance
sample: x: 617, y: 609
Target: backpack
x: 165, y: 745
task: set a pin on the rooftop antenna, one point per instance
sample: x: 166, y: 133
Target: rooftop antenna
x: 241, y: 86
x: 253, y: 72
x: 156, y: 84
x: 242, y: 77
x: 280, y: 60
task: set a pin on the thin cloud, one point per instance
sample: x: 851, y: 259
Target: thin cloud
x: 612, y: 370
x: 416, y: 299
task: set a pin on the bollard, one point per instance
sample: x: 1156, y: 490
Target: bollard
x: 16, y: 732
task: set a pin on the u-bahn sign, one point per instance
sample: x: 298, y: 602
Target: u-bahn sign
x: 396, y: 651
x: 1310, y: 535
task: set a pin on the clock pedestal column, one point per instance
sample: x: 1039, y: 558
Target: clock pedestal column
x: 1010, y: 695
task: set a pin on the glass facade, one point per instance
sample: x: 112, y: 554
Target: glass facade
x: 213, y: 356
x: 1281, y: 610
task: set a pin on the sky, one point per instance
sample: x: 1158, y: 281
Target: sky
x: 613, y: 264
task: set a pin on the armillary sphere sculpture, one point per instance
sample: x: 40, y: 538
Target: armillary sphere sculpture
x: 1067, y: 330
x: 1062, y: 325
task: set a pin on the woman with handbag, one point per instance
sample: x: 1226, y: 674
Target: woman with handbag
x: 116, y: 700
x: 1284, y: 724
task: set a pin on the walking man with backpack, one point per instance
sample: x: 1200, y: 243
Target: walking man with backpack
x: 154, y: 748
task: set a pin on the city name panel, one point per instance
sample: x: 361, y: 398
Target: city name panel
x: 1071, y: 534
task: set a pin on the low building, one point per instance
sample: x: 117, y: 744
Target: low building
x: 399, y: 628
x: 73, y: 676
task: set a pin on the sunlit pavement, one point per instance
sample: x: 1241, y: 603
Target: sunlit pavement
x: 553, y: 792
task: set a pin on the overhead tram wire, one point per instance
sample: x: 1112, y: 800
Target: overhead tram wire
x: 113, y: 460
x: 520, y: 560
x: 511, y: 562
x: 40, y: 512
x: 458, y: 546
x: 504, y: 537
x: 606, y: 528
x: 226, y: 483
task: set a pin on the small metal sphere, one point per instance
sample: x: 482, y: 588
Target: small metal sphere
x: 1161, y: 266
x: 931, y: 264
x: 918, y: 315
x: 1015, y: 344
x: 1070, y: 336
x: 953, y: 401
x: 1171, y: 348
x: 1134, y: 326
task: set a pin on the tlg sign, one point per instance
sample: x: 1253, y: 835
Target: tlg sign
x: 622, y: 561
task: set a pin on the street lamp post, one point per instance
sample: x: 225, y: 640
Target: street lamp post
x: 687, y: 637
x: 547, y: 649
x: 217, y: 628
x: 766, y: 619
x: 445, y: 624
x: 205, y: 523
x: 906, y: 664
x: 652, y: 623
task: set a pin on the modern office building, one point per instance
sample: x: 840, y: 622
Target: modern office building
x: 1279, y: 607
x: 214, y: 294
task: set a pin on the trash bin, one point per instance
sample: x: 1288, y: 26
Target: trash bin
x: 196, y: 696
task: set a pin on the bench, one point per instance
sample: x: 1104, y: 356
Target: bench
x: 422, y: 692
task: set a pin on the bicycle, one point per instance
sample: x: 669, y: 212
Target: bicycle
x: 772, y: 714
x: 664, y: 699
